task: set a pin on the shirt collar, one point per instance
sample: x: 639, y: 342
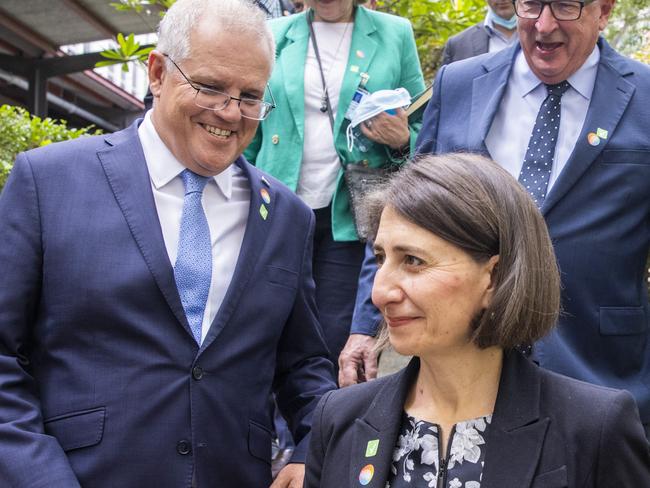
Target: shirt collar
x: 492, y: 31
x: 163, y: 165
x: 582, y: 80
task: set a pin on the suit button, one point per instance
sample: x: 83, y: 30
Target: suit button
x: 197, y: 372
x: 275, y: 139
x: 183, y: 448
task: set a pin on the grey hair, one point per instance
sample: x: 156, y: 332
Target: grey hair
x: 232, y: 15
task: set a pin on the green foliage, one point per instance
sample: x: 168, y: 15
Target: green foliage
x: 128, y: 50
x: 141, y: 5
x: 629, y: 29
x: 434, y: 21
x: 20, y: 131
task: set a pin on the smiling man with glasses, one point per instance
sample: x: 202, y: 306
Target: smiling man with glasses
x: 155, y: 287
x: 568, y: 117
x: 211, y: 99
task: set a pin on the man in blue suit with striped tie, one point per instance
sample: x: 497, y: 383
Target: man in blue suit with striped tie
x: 155, y: 287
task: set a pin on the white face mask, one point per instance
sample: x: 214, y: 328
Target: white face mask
x: 374, y: 104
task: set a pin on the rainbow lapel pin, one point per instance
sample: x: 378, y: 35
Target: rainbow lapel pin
x: 264, y: 193
x: 366, y: 474
x: 593, y: 139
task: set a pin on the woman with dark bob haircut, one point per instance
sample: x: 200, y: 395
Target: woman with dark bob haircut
x: 466, y: 276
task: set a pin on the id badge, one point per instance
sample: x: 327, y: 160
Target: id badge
x: 356, y: 100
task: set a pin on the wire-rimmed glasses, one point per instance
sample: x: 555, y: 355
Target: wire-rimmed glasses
x: 211, y: 99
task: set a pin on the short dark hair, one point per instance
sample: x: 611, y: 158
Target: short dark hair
x: 474, y: 204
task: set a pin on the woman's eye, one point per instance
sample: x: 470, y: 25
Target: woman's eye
x: 412, y: 260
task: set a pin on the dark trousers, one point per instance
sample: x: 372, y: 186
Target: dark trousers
x: 336, y: 267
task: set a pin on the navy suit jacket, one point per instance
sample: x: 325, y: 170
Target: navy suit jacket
x: 101, y: 381
x: 466, y: 44
x: 597, y: 212
x: 547, y: 431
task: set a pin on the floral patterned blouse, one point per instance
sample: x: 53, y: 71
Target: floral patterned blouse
x: 418, y: 463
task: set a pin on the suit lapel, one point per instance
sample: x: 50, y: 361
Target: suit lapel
x: 292, y: 63
x: 258, y: 224
x: 380, y: 425
x: 128, y: 177
x: 362, y: 51
x: 612, y: 93
x: 515, y: 438
x: 487, y: 92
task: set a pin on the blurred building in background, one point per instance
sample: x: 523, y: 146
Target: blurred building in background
x: 48, y: 49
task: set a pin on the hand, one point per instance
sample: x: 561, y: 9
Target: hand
x: 390, y: 130
x: 291, y: 476
x: 358, y: 360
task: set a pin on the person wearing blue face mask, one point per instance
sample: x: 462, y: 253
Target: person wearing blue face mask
x: 497, y: 31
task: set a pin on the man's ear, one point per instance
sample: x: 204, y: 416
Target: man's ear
x: 606, y: 7
x: 157, y: 72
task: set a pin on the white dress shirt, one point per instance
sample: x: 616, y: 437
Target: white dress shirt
x: 226, y: 202
x: 320, y: 162
x: 513, y: 123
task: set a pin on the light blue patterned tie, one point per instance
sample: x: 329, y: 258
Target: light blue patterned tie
x: 538, y: 162
x: 193, y: 268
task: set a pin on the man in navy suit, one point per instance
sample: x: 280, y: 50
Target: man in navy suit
x: 155, y: 287
x: 497, y: 31
x: 596, y: 202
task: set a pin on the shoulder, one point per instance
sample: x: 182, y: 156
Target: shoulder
x: 388, y: 22
x: 341, y: 407
x: 635, y: 71
x: 60, y: 158
x: 83, y: 145
x: 281, y: 25
x: 571, y: 398
x: 467, y: 34
x: 464, y: 71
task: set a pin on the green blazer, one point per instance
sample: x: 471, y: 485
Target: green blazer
x: 382, y: 46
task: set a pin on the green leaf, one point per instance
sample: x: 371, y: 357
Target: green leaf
x: 101, y: 64
x: 112, y: 54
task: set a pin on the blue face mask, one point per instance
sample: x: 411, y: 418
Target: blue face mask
x: 509, y: 24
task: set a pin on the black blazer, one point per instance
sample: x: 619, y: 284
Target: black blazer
x: 466, y: 44
x: 547, y: 431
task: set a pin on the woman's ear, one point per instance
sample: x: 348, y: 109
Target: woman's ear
x: 490, y: 268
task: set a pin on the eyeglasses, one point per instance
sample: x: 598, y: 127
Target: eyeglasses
x: 561, y: 10
x: 208, y: 98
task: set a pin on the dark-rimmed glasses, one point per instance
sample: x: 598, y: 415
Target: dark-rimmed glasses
x: 561, y: 10
x: 211, y: 99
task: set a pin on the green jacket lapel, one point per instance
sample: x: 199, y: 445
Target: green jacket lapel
x: 292, y: 60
